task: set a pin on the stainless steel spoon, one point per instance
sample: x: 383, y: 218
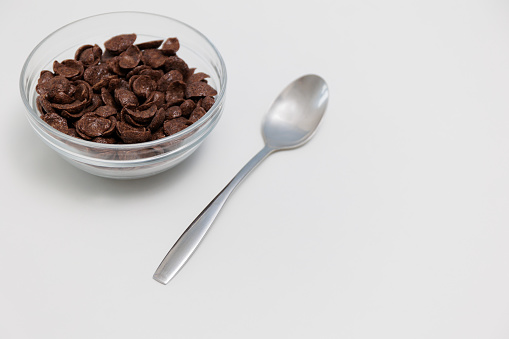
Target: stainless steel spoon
x: 291, y: 121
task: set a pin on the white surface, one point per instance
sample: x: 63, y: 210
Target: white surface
x: 391, y: 223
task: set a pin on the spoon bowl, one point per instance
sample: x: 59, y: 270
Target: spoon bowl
x: 291, y: 121
x: 295, y: 114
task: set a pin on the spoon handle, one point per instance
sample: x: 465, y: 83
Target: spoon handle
x: 185, y: 246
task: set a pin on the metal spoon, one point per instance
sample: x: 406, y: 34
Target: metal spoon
x: 291, y: 121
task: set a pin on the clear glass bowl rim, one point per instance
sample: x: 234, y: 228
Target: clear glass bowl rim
x: 212, y: 111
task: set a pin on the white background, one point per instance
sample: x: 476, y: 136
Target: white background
x: 391, y: 223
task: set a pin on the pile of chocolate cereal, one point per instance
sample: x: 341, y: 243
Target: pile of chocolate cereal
x: 128, y: 94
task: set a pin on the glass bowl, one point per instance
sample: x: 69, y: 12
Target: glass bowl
x: 124, y: 161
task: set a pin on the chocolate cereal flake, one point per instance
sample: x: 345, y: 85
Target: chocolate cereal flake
x: 91, y: 125
x: 70, y: 68
x: 150, y: 44
x: 154, y: 74
x: 199, y: 89
x: 170, y: 46
x: 153, y: 58
x: 89, y: 55
x: 43, y: 84
x: 72, y: 107
x: 207, y: 103
x: 142, y: 117
x: 71, y: 116
x: 197, y: 114
x: 164, y: 82
x: 105, y: 111
x: 130, y: 58
x: 131, y: 135
x: 125, y: 97
x: 142, y: 85
x: 83, y: 91
x: 115, y: 83
x: 119, y: 43
x: 154, y: 98
x: 95, y: 102
x: 106, y: 97
x: 56, y: 121
x: 175, y: 125
x: 174, y: 62
x: 44, y: 105
x: 187, y: 107
x: 136, y: 70
x: 175, y: 93
x: 113, y: 65
x: 96, y: 73
x: 158, y: 120
x: 197, y: 77
x: 173, y: 112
